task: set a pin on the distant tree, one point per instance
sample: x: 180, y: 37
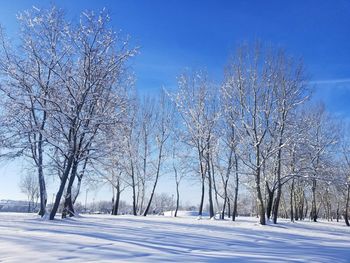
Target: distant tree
x: 321, y: 136
x: 344, y: 181
x: 196, y: 102
x: 162, y: 202
x: 131, y: 139
x: 161, y: 137
x: 263, y: 87
x: 30, y: 187
x: 180, y: 162
x: 147, y: 128
x: 247, y: 83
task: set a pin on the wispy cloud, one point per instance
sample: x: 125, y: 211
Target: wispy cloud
x: 330, y: 81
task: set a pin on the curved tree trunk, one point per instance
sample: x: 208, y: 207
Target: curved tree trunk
x: 156, y: 180
x: 202, y: 171
x: 346, y: 215
x: 200, y: 212
x: 61, y: 188
x: 151, y: 197
x: 177, y: 199
x: 68, y: 209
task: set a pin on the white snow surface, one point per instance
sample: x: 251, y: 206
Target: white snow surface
x: 105, y: 238
x: 184, y: 213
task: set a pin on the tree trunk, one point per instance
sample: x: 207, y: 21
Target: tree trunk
x: 306, y: 207
x: 285, y: 213
x: 177, y: 199
x: 116, y: 200
x: 80, y: 178
x: 277, y: 202
x: 346, y: 215
x: 337, y: 213
x: 261, y: 208
x: 228, y: 171
x: 297, y: 206
x: 214, y: 184
x: 78, y: 189
x: 235, y: 201
x: 61, y: 189
x: 141, y: 196
x: 202, y: 173
x: 228, y: 208
x: 134, y: 206
x: 210, y: 190
x: 291, y: 201
x: 270, y: 195
x: 42, y: 185
x: 68, y: 209
x: 156, y: 180
x: 279, y: 183
x: 200, y: 212
x: 224, y: 206
x: 151, y: 197
x: 313, y: 205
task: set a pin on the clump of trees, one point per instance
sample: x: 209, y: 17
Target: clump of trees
x: 68, y: 105
x: 63, y: 88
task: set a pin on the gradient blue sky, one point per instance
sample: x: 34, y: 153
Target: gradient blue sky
x: 174, y: 35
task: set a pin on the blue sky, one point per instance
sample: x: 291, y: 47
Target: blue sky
x: 174, y: 35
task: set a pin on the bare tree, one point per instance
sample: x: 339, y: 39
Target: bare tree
x: 196, y: 102
x: 246, y: 84
x: 162, y: 133
x: 263, y: 87
x: 345, y: 179
x: 30, y: 187
x: 250, y: 89
x: 29, y: 77
x: 322, y: 134
x: 93, y: 103
x: 147, y: 125
x: 131, y: 138
x: 290, y: 92
x: 231, y: 142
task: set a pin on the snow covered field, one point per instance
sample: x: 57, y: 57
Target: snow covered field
x: 104, y: 238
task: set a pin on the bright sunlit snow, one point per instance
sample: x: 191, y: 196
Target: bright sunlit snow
x: 104, y: 238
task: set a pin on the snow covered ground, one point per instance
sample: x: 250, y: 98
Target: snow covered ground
x: 104, y: 238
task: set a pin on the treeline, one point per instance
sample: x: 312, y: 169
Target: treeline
x: 69, y: 106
